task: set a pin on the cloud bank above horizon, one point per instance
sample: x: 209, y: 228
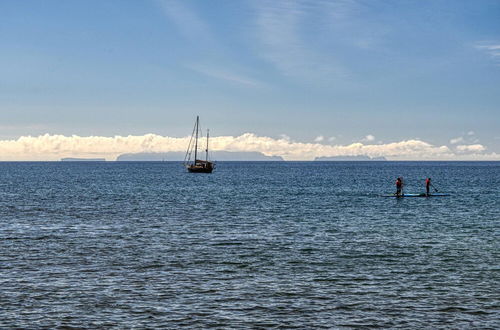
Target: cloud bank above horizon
x: 54, y: 147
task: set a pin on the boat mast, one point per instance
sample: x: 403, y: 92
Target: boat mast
x: 196, y: 140
x: 206, y: 150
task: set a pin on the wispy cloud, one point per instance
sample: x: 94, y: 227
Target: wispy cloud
x: 185, y: 19
x: 26, y: 127
x: 54, y: 147
x: 280, y: 27
x: 490, y: 48
x: 226, y: 75
x: 467, y: 138
x: 198, y: 32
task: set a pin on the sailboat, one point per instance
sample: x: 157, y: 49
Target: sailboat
x: 197, y: 165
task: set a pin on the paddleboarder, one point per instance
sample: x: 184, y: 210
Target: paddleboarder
x: 399, y: 186
x: 427, y: 185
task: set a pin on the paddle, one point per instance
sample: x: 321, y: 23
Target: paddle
x: 434, y: 187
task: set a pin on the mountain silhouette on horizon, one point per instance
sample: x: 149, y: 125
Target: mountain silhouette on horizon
x: 214, y: 155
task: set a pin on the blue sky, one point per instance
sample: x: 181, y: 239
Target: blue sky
x: 334, y: 72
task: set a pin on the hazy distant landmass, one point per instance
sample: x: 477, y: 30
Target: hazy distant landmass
x: 244, y: 156
x: 151, y: 156
x: 349, y: 158
x: 215, y: 155
x: 70, y: 159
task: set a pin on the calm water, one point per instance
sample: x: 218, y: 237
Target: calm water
x: 253, y: 245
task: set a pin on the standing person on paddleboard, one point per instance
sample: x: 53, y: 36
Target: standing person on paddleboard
x: 399, y: 186
x: 427, y: 185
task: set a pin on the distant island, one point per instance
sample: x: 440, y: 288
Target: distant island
x: 350, y: 158
x: 70, y: 159
x: 216, y: 155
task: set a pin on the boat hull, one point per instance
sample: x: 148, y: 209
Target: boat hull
x: 205, y: 167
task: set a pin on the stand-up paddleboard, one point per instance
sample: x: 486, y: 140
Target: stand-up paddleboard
x: 417, y: 195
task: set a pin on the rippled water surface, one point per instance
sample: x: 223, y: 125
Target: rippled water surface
x: 253, y: 245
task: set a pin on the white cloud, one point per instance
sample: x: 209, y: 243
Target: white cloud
x: 368, y: 138
x: 285, y: 137
x: 332, y: 138
x: 457, y: 140
x: 470, y: 133
x: 54, y: 147
x: 319, y: 138
x: 471, y: 148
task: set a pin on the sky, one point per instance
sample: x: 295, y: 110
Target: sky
x: 299, y: 79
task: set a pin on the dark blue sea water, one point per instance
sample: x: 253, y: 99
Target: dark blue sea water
x: 253, y: 245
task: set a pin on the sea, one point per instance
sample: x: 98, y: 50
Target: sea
x: 254, y: 245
